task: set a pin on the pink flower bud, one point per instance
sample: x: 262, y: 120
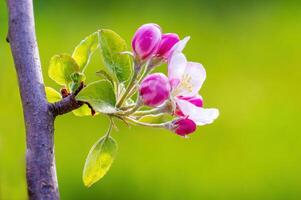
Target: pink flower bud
x: 168, y: 40
x: 197, y: 101
x: 183, y: 126
x: 154, y: 89
x: 146, y: 41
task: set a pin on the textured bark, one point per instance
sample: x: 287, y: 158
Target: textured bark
x: 39, y: 115
x: 39, y: 120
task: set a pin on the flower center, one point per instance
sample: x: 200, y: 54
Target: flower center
x: 185, y: 84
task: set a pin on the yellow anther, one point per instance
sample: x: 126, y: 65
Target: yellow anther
x: 185, y: 84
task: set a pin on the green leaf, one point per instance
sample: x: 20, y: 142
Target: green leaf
x: 83, y: 52
x: 84, y: 110
x: 99, y: 160
x: 112, y: 46
x: 100, y: 95
x: 61, y: 67
x: 105, y: 75
x: 52, y: 95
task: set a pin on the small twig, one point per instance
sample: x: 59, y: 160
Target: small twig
x: 66, y: 105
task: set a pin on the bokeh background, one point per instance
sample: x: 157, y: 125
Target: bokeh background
x: 251, y: 51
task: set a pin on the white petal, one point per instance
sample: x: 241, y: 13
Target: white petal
x: 200, y: 116
x: 176, y: 68
x: 179, y: 46
x: 199, y: 96
x: 192, y: 79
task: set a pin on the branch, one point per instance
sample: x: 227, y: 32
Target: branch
x: 39, y: 120
x: 68, y: 103
x: 39, y: 115
x: 65, y: 105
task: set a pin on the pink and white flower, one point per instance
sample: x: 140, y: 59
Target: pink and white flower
x: 186, y: 79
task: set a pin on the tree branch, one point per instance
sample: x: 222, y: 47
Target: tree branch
x: 65, y: 105
x: 68, y: 103
x: 39, y: 115
x: 39, y: 119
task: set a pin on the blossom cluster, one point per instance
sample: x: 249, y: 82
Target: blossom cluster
x: 178, y: 92
x: 171, y: 102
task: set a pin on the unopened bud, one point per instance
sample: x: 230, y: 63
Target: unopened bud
x: 154, y: 89
x: 183, y: 126
x: 168, y: 40
x: 146, y: 41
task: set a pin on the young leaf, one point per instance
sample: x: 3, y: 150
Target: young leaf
x: 83, y: 52
x: 84, y: 110
x: 112, y: 46
x: 100, y: 95
x: 77, y: 77
x: 52, y: 95
x: 105, y: 75
x: 61, y: 67
x: 99, y: 160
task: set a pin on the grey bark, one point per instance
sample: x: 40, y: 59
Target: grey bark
x: 39, y: 115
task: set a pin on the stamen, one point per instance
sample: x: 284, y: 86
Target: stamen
x: 185, y: 84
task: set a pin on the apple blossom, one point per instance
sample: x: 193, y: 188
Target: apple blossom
x: 154, y: 89
x: 186, y: 79
x: 146, y: 41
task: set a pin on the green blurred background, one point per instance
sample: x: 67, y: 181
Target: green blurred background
x: 251, y: 51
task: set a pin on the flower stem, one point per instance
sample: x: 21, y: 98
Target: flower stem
x: 147, y: 112
x: 133, y: 109
x: 110, y: 128
x: 130, y: 86
x: 143, y: 73
x: 133, y: 121
x: 139, y: 74
x: 127, y: 107
x: 167, y: 107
